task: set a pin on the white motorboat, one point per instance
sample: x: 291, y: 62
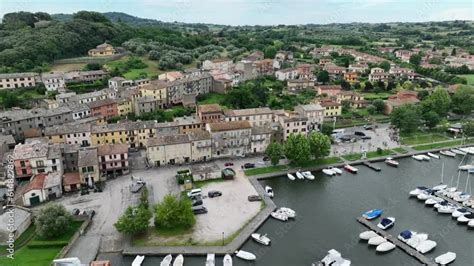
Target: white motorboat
x: 416, y: 240
x: 471, y: 223
x: 377, y: 240
x: 460, y: 211
x: 445, y: 258
x: 308, y: 175
x: 418, y: 157
x: 447, y: 209
x: 417, y: 191
x: 279, y: 216
x: 138, y: 260
x: 166, y: 260
x: 461, y: 197
x: 466, y: 218
x: 425, y: 157
x: 336, y: 170
x: 367, y: 235
x: 245, y: 255
x: 439, y: 187
x: 448, y: 153
x: 351, y: 169
x: 432, y: 155
x: 211, y: 259
x: 328, y: 172
x: 466, y: 167
x: 424, y: 195
x: 390, y: 161
x: 179, y: 260
x: 290, y: 176
x: 458, y: 152
x: 269, y: 191
x: 426, y: 246
x: 448, y: 190
x: 432, y: 201
x: 468, y: 203
x: 385, y: 246
x: 299, y: 175
x: 469, y: 150
x: 406, y: 235
x: 287, y: 211
x: 386, y: 223
x: 333, y: 258
x: 227, y: 260
x: 262, y: 239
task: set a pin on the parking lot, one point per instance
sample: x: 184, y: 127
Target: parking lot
x: 380, y: 137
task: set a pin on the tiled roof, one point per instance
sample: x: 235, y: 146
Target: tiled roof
x: 232, y: 125
x: 209, y: 108
x: 87, y: 157
x: 36, y: 182
x: 112, y: 149
x: 71, y: 179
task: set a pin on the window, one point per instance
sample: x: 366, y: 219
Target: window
x: 22, y: 163
x: 40, y: 163
x: 90, y: 168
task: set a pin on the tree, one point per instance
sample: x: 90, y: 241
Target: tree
x: 91, y: 16
x: 468, y: 129
x: 385, y: 65
x: 345, y: 85
x: 346, y: 106
x: 174, y: 212
x: 379, y: 105
x: 368, y: 86
x: 415, y: 59
x: 52, y: 221
x: 463, y: 100
x: 323, y: 76
x: 274, y: 151
x: 135, y: 220
x: 439, y: 101
x: 423, y: 94
x: 453, y: 52
x: 92, y: 66
x: 406, y: 117
x: 320, y: 144
x: 297, y: 148
x: 270, y: 52
x: 431, y: 118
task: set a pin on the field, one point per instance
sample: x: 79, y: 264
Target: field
x: 370, y: 96
x: 469, y: 78
x: 422, y: 138
x: 442, y: 145
x: 37, y: 252
x: 150, y: 71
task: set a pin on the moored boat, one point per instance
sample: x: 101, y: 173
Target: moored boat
x: 386, y: 223
x: 432, y: 155
x: 367, y: 235
x: 351, y: 169
x: 269, y: 191
x: 287, y: 211
x: 376, y: 240
x: 262, y: 239
x: 328, y: 172
x: 448, y: 153
x: 445, y: 258
x: 299, y: 175
x: 138, y: 260
x: 417, y: 191
x: 458, y: 152
x: 390, y: 161
x: 405, y: 235
x: 466, y: 167
x: 290, y: 176
x: 432, y: 201
x: 385, y: 246
x: 166, y: 260
x: 460, y: 211
x: 245, y: 255
x: 333, y: 258
x: 426, y: 246
x: 179, y: 260
x: 372, y: 214
x: 466, y: 218
x: 471, y: 223
x: 417, y: 157
x: 227, y: 260
x: 308, y: 175
x: 279, y: 216
x: 336, y: 170
x: 211, y: 260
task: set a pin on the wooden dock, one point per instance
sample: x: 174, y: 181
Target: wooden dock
x: 372, y: 166
x: 403, y: 246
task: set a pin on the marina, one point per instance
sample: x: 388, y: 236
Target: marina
x: 406, y: 248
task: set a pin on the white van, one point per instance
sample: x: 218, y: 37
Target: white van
x: 195, y: 192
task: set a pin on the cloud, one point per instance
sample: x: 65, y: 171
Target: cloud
x: 453, y: 14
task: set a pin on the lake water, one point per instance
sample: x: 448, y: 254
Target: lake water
x: 327, y: 209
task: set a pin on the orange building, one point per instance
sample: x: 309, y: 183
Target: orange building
x: 106, y: 108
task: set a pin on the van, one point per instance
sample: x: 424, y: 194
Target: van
x: 195, y: 192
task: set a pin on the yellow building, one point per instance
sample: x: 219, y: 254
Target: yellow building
x: 104, y: 49
x: 331, y: 108
x: 350, y: 77
x: 124, y: 106
x: 156, y: 89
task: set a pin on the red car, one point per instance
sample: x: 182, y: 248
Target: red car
x: 228, y: 164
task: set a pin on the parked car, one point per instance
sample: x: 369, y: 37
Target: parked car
x: 254, y: 198
x: 266, y: 158
x: 195, y: 192
x: 228, y: 164
x: 195, y: 197
x: 197, y: 202
x: 75, y: 211
x: 249, y: 165
x: 345, y: 138
x: 359, y: 133
x: 214, y: 193
x: 366, y: 137
x: 201, y: 210
x: 137, y: 186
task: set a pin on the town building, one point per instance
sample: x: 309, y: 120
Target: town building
x: 305, y: 71
x: 106, y: 108
x: 247, y: 69
x: 18, y: 80
x: 331, y: 107
x: 314, y: 112
x: 119, y: 83
x: 113, y: 159
x: 222, y: 64
x: 404, y: 55
x: 85, y: 76
x: 256, y: 116
x: 71, y: 182
x: 297, y: 85
x: 358, y: 67
x: 350, y: 77
x: 209, y: 113
x: 42, y: 187
x: 260, y: 139
x: 146, y: 104
x: 78, y: 110
x: 264, y: 67
x: 53, y: 81
x: 230, y: 138
x: 88, y: 166
x: 328, y: 90
x: 401, y: 98
x: 400, y: 72
x: 124, y: 106
x: 286, y: 74
x: 378, y: 74
x: 69, y: 134
x: 356, y: 100
x: 104, y: 49
x: 7, y: 145
x: 156, y: 89
x: 291, y: 123
x: 190, y: 85
x: 36, y: 157
x: 335, y: 71
x: 171, y: 76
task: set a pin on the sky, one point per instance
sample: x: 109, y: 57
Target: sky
x: 261, y: 12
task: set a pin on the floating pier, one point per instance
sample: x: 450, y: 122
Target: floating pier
x: 450, y: 200
x: 372, y: 166
x: 403, y: 246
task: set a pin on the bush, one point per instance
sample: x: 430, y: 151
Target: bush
x: 52, y: 221
x: 47, y: 244
x: 135, y: 220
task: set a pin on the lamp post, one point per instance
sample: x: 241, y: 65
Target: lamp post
x: 222, y: 238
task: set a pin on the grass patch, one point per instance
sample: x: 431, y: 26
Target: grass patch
x: 400, y: 150
x: 418, y: 137
x: 352, y: 156
x: 201, y: 184
x: 469, y: 78
x: 278, y: 168
x: 41, y: 252
x: 266, y: 170
x: 211, y: 97
x: 370, y: 96
x: 442, y: 145
x: 373, y: 154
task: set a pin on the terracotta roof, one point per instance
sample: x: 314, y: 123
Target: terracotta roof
x: 99, y: 103
x: 209, y: 108
x: 112, y: 149
x: 168, y: 140
x: 329, y: 87
x: 232, y: 125
x: 71, y: 179
x: 36, y: 182
x: 249, y: 111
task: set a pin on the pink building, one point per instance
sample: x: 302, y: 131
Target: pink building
x: 113, y: 159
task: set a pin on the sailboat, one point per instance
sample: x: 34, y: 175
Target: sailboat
x: 441, y: 185
x: 166, y: 260
x: 464, y: 196
x: 432, y: 155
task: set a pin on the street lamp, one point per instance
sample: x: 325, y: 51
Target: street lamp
x: 222, y: 238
